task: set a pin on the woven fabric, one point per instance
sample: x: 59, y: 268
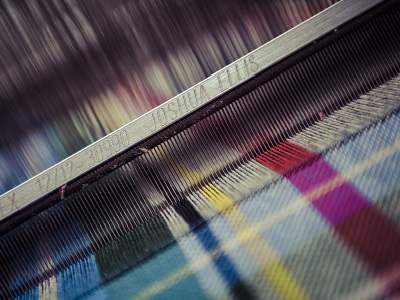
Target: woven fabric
x: 299, y: 225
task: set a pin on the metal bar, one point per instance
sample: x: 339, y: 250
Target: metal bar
x: 181, y: 105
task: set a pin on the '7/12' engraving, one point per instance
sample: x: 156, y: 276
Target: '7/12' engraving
x: 55, y: 177
x: 7, y: 205
x: 108, y: 147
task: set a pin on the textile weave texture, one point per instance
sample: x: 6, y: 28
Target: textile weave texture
x: 290, y: 224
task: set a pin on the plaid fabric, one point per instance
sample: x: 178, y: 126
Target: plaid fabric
x: 292, y: 223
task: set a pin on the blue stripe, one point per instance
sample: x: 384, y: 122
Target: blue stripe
x: 32, y: 294
x: 222, y: 262
x: 207, y: 238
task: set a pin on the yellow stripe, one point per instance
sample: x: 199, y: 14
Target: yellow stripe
x: 283, y: 281
x: 274, y: 271
x: 248, y: 234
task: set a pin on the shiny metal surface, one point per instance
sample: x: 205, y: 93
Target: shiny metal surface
x: 180, y: 106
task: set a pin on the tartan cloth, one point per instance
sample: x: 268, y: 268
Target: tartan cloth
x: 293, y: 223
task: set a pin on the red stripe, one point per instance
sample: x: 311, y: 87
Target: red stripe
x: 284, y: 157
x: 373, y: 236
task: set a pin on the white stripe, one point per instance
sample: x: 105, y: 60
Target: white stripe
x: 48, y: 289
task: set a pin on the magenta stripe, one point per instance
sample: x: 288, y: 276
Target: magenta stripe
x: 335, y: 206
x: 313, y: 175
x: 340, y: 204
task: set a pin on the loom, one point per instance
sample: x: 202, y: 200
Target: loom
x: 265, y: 114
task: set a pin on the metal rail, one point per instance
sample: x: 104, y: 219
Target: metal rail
x: 56, y: 177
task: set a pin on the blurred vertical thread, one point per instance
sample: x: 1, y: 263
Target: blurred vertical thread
x: 73, y: 71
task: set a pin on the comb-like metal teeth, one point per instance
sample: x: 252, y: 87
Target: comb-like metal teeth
x: 70, y: 174
x: 124, y: 209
